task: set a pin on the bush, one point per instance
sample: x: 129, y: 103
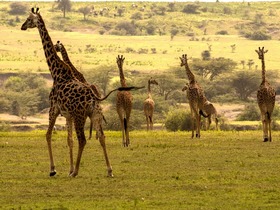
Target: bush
x: 178, y: 119
x: 222, y: 32
x: 137, y: 16
x: 250, y: 113
x: 128, y: 27
x: 191, y: 9
x: 137, y: 118
x: 258, y: 35
x: 151, y: 29
x: 18, y: 8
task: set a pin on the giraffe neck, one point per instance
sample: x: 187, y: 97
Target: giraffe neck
x: 149, y: 90
x: 65, y: 56
x: 66, y: 59
x: 190, y: 75
x: 122, y: 79
x: 52, y: 58
x: 263, y: 70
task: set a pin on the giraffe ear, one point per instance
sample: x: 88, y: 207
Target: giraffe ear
x: 257, y: 51
x: 265, y: 51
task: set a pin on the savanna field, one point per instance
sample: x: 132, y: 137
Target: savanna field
x: 160, y: 170
x: 229, y: 168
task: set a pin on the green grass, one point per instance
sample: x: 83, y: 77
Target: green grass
x: 161, y: 170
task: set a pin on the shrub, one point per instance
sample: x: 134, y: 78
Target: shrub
x: 227, y: 10
x: 251, y: 113
x: 18, y: 8
x: 191, y: 9
x: 137, y: 118
x: 258, y: 35
x: 178, y: 119
x: 222, y: 32
x: 5, y: 126
x: 137, y: 16
x: 151, y: 29
x: 128, y: 27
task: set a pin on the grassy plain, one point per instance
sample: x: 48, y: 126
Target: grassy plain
x: 21, y: 48
x: 161, y: 170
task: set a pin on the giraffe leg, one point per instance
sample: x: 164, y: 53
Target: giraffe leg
x: 269, y: 127
x: 265, y: 128
x: 151, y: 123
x: 53, y: 113
x: 198, y: 121
x: 147, y: 122
x: 209, y: 122
x: 101, y: 138
x: 90, y: 129
x: 127, y: 141
x: 79, y: 126
x: 70, y: 143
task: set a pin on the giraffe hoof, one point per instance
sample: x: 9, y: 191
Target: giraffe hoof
x: 197, y: 135
x: 265, y: 139
x: 52, y: 173
x: 73, y: 174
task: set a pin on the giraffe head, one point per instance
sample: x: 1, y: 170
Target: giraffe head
x: 58, y: 46
x: 184, y: 59
x: 153, y: 81
x: 32, y: 20
x: 120, y: 60
x: 185, y: 87
x: 261, y: 52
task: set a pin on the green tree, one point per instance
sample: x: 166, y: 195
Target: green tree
x: 245, y: 83
x: 64, y: 6
x: 85, y: 11
x: 214, y: 67
x: 26, y: 94
x: 101, y: 77
x: 168, y: 83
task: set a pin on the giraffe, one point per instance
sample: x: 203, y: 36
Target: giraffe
x: 69, y: 97
x: 266, y: 99
x: 149, y: 105
x: 196, y: 97
x: 209, y: 110
x: 59, y: 47
x: 123, y: 104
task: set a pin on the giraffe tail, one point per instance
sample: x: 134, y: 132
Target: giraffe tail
x: 202, y: 113
x: 268, y: 116
x: 125, y: 124
x: 117, y: 89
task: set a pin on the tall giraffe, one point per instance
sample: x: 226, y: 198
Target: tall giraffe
x: 59, y: 47
x: 149, y: 105
x: 196, y: 97
x: 209, y: 110
x: 123, y: 104
x: 266, y: 99
x: 71, y: 98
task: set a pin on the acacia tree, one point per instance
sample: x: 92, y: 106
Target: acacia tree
x: 64, y: 5
x: 85, y: 11
x: 168, y: 83
x: 35, y: 97
x: 213, y: 67
x: 245, y: 83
